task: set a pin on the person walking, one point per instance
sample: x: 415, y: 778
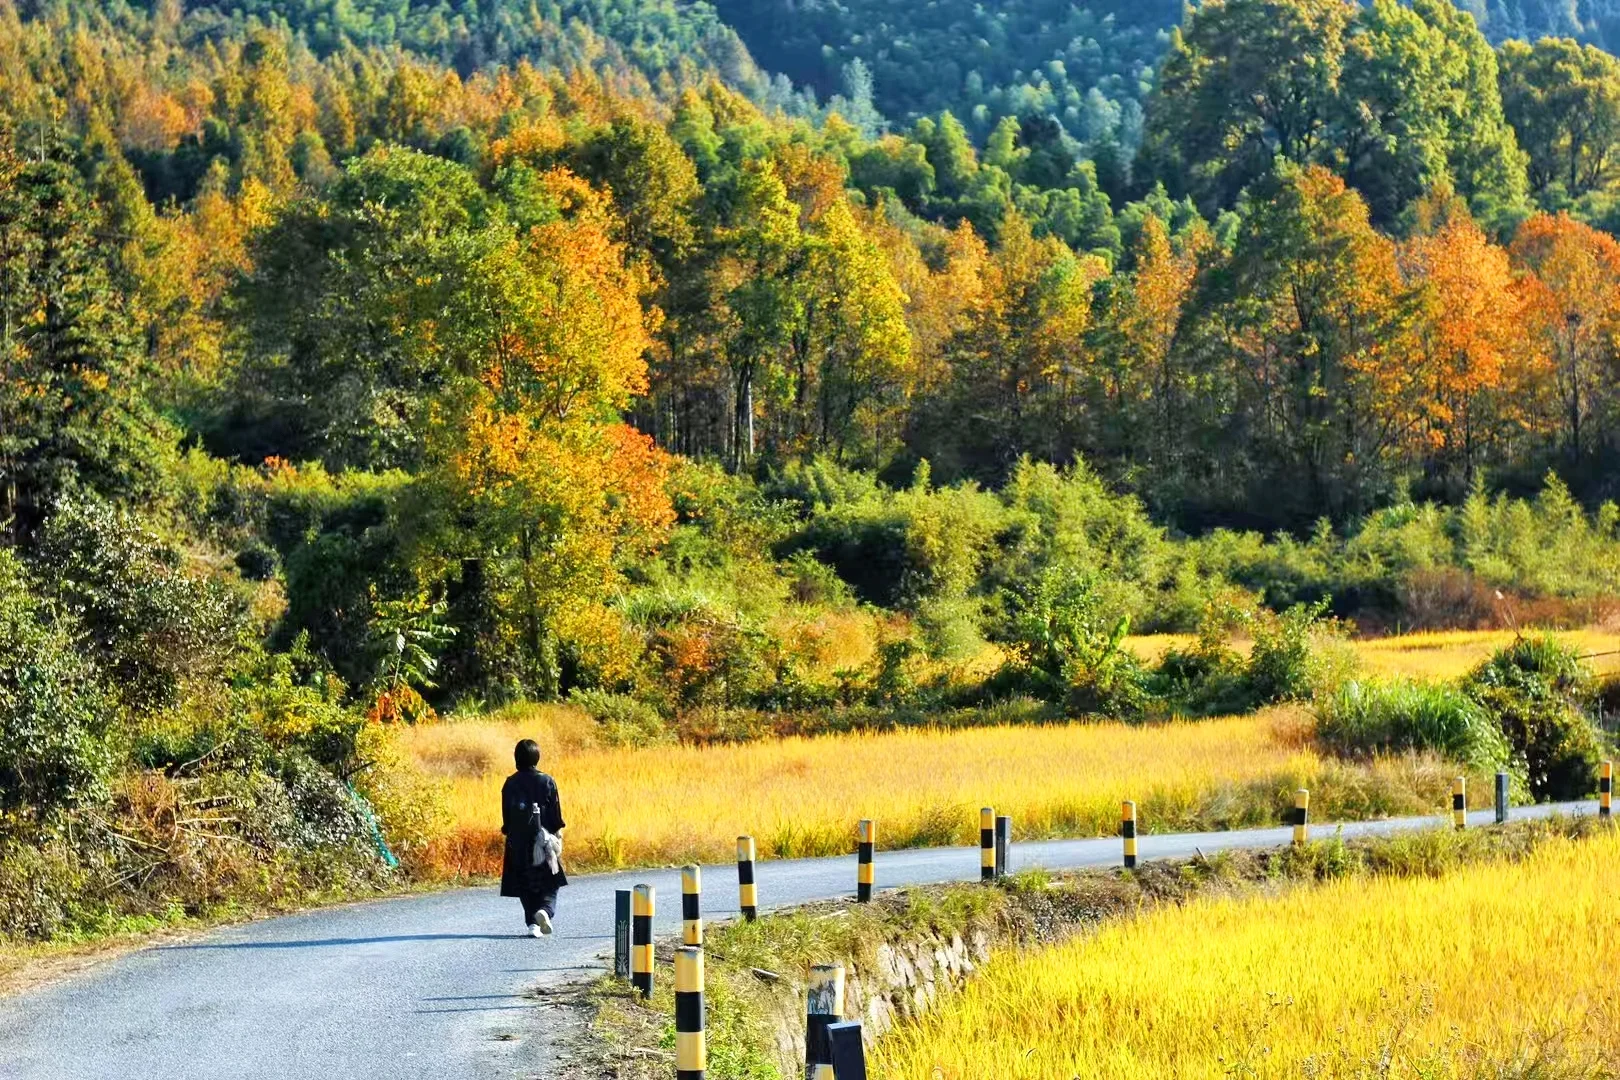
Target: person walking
x: 531, y: 819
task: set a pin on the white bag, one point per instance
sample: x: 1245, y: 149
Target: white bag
x: 547, y: 846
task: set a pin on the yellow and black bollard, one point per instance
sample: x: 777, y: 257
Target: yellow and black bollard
x: 864, y: 875
x: 1302, y: 816
x: 691, y: 906
x: 1127, y: 831
x: 1606, y: 789
x: 641, y: 940
x: 987, y: 844
x: 824, y: 1006
x: 1459, y: 802
x: 691, y: 1044
x: 747, y: 893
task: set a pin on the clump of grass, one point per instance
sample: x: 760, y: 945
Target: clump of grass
x: 1401, y: 716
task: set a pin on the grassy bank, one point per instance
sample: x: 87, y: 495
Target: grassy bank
x: 756, y: 970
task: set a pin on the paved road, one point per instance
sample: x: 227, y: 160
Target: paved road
x: 433, y: 986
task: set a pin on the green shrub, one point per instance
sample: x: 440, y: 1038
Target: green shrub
x: 1539, y: 664
x: 1538, y: 691
x: 622, y: 720
x: 1401, y: 716
x: 150, y: 625
x: 1284, y: 664
x: 37, y: 888
x: 1065, y: 646
x: 1554, y: 743
x: 53, y: 712
x: 1292, y: 658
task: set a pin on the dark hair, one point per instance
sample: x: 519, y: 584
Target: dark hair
x: 527, y: 754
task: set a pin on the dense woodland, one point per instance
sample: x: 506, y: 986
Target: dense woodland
x: 362, y: 365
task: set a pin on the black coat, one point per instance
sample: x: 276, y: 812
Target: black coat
x: 523, y: 791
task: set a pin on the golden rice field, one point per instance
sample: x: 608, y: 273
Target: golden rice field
x: 1439, y: 655
x: 1499, y: 970
x: 802, y: 797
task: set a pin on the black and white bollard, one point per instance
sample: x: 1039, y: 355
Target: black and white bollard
x: 824, y: 1006
x: 1501, y: 798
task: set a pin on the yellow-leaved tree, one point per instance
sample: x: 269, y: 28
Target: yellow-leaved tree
x: 544, y: 488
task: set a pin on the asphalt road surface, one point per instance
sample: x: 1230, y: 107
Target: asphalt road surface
x: 436, y: 986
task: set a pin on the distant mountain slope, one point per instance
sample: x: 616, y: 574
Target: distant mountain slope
x: 658, y: 38
x: 1088, y: 65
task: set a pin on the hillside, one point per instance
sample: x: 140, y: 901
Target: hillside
x: 1087, y: 65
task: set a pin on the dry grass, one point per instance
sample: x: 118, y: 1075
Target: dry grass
x: 1449, y: 654
x: 802, y: 797
x: 1497, y: 970
x: 1438, y: 655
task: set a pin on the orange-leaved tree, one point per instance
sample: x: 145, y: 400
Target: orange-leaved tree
x: 1573, y: 313
x: 1478, y: 370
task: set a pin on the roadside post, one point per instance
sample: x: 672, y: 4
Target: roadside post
x: 1459, y: 802
x: 1302, y: 816
x: 848, y: 1050
x: 1501, y: 798
x: 621, y: 934
x: 691, y: 906
x: 987, y: 843
x: 641, y: 940
x: 747, y: 893
x: 824, y: 1006
x: 865, y: 875
x: 1606, y: 789
x: 691, y: 1043
x: 1127, y: 832
x: 1003, y: 845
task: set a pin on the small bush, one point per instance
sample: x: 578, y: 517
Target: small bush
x: 150, y: 625
x: 1066, y: 646
x: 1537, y: 691
x: 1402, y: 716
x: 1540, y: 665
x: 37, y: 887
x: 623, y: 720
x: 53, y: 713
x: 1295, y: 656
x: 411, y: 807
x: 1554, y: 743
x: 1284, y: 664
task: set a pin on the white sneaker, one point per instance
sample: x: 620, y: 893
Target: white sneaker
x: 535, y: 931
x: 544, y: 923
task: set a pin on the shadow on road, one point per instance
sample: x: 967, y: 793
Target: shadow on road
x: 333, y: 942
